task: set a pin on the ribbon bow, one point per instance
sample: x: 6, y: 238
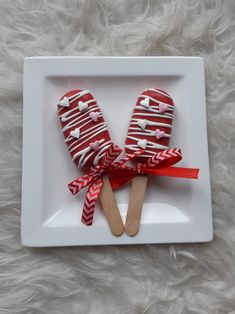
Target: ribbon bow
x: 159, y: 165
x: 94, y: 181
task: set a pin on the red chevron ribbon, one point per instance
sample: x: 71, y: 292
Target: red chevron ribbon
x: 94, y: 181
x: 89, y: 204
x: 159, y: 165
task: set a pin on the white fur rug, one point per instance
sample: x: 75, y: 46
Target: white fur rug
x: 197, y: 278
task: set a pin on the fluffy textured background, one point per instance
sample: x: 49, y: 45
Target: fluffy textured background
x: 196, y: 278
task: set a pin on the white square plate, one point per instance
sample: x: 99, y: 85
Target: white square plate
x: 175, y: 210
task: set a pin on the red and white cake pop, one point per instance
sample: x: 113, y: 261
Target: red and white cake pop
x: 85, y: 131
x: 151, y: 123
x: 87, y: 138
x: 150, y: 130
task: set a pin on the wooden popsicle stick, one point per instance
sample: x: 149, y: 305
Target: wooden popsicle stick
x: 135, y: 205
x: 110, y: 208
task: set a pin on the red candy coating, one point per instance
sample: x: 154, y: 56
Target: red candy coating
x: 84, y: 128
x: 151, y: 122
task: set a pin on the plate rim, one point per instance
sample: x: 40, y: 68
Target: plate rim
x: 29, y: 219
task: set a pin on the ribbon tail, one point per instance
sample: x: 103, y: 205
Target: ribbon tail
x: 76, y: 185
x: 89, y: 204
x: 123, y: 177
x: 187, y: 173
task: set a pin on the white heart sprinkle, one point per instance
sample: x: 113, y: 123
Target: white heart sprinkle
x: 142, y: 143
x: 159, y: 134
x: 94, y: 115
x: 75, y: 133
x: 162, y: 108
x: 95, y: 145
x: 82, y: 105
x: 64, y: 102
x: 145, y: 102
x: 142, y: 123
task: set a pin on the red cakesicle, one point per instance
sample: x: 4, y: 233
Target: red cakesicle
x: 85, y: 131
x: 149, y: 129
x: 87, y: 138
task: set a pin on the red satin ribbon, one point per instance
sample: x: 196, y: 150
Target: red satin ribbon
x: 123, y: 177
x: 158, y: 165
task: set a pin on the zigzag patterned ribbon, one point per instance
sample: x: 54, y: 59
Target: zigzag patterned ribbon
x: 94, y: 181
x: 89, y: 204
